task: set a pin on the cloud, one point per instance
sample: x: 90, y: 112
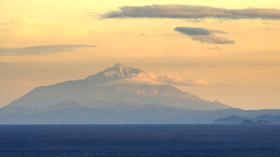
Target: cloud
x: 151, y: 79
x: 191, y: 12
x: 218, y: 31
x: 6, y: 63
x: 171, y: 80
x: 204, y: 35
x: 212, y: 39
x: 42, y: 49
x: 214, y: 48
x: 192, y: 31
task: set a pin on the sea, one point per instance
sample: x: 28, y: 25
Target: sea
x: 140, y: 140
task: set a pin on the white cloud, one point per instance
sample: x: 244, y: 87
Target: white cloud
x: 167, y: 79
x: 151, y: 79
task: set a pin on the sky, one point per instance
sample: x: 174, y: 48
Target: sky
x: 231, y: 45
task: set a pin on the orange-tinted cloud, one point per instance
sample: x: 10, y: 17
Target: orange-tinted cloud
x: 42, y: 49
x: 204, y: 35
x: 191, y: 12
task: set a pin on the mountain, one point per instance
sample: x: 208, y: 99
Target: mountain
x: 271, y: 118
x: 248, y: 122
x: 230, y: 120
x: 118, y: 95
x: 116, y: 87
x: 252, y: 122
x: 262, y: 119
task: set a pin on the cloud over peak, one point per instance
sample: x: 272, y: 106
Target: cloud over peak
x: 191, y: 12
x: 172, y: 80
x: 204, y: 35
x: 152, y: 79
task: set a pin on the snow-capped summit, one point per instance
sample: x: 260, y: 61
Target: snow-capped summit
x: 122, y: 87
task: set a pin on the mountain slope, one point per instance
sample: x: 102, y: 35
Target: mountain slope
x: 118, y: 86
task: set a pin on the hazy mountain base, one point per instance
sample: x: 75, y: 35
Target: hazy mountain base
x: 154, y: 114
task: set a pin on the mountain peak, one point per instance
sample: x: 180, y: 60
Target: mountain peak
x: 118, y: 67
x: 124, y: 71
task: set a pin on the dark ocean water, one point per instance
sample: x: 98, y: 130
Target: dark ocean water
x: 139, y: 140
